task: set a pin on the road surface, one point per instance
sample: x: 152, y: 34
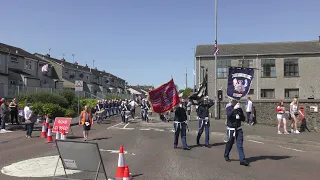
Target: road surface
x: 150, y: 154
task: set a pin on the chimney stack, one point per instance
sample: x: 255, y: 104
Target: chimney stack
x: 319, y: 39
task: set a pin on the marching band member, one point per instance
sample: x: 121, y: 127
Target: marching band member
x: 180, y: 126
x: 204, y: 122
x: 234, y: 117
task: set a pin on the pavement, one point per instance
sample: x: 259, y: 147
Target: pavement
x: 150, y: 155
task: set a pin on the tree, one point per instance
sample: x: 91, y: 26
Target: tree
x: 186, y: 92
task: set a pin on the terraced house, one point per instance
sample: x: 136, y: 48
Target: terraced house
x: 23, y: 72
x: 284, y: 70
x: 20, y: 73
x: 95, y: 82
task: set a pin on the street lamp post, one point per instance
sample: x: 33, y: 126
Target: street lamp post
x: 215, y: 65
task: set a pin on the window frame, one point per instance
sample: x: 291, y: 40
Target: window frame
x: 264, y: 91
x: 287, y: 90
x: 291, y: 63
x: 223, y: 68
x: 268, y: 63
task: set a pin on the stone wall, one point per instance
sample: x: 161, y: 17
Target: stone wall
x: 266, y: 112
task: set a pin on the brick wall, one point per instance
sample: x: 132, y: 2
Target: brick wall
x: 266, y: 112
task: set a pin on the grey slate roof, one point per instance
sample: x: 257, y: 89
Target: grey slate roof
x: 269, y: 48
x: 17, y: 51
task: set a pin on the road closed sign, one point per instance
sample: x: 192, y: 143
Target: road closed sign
x: 78, y: 85
x: 61, y: 124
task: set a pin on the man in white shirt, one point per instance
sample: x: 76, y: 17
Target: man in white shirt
x: 249, y: 110
x: 133, y: 106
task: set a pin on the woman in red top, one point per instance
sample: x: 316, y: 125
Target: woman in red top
x: 281, y: 116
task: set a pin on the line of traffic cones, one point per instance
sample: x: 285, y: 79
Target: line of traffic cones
x: 49, y: 135
x: 123, y: 172
x: 44, y: 130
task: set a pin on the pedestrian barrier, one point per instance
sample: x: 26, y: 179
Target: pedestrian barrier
x: 121, y: 162
x: 49, y: 135
x: 44, y: 130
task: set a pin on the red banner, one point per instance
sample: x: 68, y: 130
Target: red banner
x: 61, y: 124
x: 164, y: 97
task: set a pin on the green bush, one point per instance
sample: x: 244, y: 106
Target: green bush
x: 91, y: 103
x: 44, y: 97
x: 64, y: 104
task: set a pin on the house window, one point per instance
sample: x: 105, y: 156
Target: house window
x: 223, y: 67
x: 246, y: 63
x: 12, y: 82
x: 291, y: 67
x: 14, y: 59
x: 291, y: 93
x: 87, y: 77
x: 67, y: 71
x: 28, y: 65
x: 267, y: 93
x: 268, y: 68
x: 251, y: 91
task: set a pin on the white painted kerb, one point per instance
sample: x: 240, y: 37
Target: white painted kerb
x: 37, y: 167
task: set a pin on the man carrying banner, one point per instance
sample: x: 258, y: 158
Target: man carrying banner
x: 234, y: 117
x: 239, y: 82
x: 180, y: 126
x: 204, y: 122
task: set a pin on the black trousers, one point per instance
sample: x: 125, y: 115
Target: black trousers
x: 14, y: 115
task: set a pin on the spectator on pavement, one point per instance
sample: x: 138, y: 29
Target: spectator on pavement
x: 30, y: 119
x: 4, y: 113
x: 86, y: 121
x: 249, y: 110
x: 14, y: 111
x: 294, y: 113
x: 281, y: 116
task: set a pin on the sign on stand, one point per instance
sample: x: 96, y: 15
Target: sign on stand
x: 78, y: 85
x: 82, y: 156
x: 61, y: 124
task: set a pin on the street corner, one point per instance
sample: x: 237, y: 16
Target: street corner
x: 36, y: 167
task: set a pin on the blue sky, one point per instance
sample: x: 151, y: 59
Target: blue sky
x: 147, y: 41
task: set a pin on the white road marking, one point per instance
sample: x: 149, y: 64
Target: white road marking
x: 4, y: 131
x: 125, y: 126
x: 158, y: 129
x: 115, y: 151
x: 144, y: 129
x: 255, y: 141
x: 114, y: 125
x: 37, y: 167
x: 291, y: 149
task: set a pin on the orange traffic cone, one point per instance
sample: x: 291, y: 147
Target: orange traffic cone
x: 44, y: 130
x: 63, y: 135
x: 49, y: 135
x: 120, y: 171
x: 126, y: 174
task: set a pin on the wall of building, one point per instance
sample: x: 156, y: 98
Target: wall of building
x: 308, y: 82
x: 3, y: 63
x: 266, y: 112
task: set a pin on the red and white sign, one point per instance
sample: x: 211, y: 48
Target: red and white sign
x: 61, y: 124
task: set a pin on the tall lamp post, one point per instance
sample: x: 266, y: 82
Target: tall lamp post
x: 215, y: 65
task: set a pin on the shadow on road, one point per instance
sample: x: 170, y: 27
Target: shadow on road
x: 258, y: 158
x: 101, y: 138
x: 136, y: 175
x: 218, y: 144
x: 75, y: 137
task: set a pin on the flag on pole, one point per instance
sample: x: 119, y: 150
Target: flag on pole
x: 194, y: 72
x: 216, y: 48
x: 239, y: 82
x: 164, y: 98
x: 45, y: 68
x: 198, y: 97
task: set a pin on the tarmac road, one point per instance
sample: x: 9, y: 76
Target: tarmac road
x: 150, y: 154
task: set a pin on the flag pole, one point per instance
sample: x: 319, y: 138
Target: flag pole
x: 215, y: 64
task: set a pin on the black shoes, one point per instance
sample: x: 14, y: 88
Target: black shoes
x: 187, y: 148
x: 244, y: 163
x: 208, y: 145
x: 227, y: 159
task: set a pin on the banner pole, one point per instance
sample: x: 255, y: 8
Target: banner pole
x: 215, y: 64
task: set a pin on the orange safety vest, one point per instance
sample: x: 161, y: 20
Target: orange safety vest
x: 83, y: 115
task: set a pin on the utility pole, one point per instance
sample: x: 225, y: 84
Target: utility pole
x: 73, y: 58
x: 194, y: 70
x: 215, y: 65
x: 186, y: 78
x: 63, y: 54
x: 93, y: 64
x: 49, y: 51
